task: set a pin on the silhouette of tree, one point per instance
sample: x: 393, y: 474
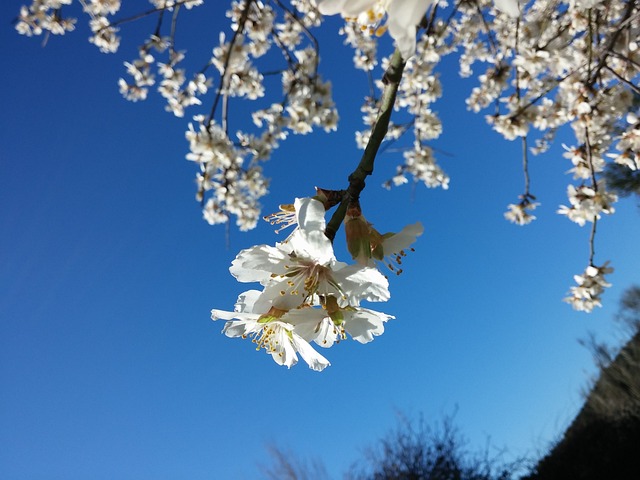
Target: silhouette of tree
x: 416, y: 451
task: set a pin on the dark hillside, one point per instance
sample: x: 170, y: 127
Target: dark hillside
x: 603, y: 442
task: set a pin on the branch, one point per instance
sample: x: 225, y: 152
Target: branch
x: 391, y: 79
x: 612, y: 41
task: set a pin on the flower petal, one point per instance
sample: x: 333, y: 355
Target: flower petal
x: 364, y: 324
x: 404, y: 16
x: 348, y: 8
x: 315, y: 361
x: 403, y: 239
x: 363, y: 283
x: 256, y: 264
x: 510, y: 7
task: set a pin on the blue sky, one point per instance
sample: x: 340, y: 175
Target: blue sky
x: 109, y: 364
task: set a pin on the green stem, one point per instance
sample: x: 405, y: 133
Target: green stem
x: 336, y: 219
x: 391, y: 79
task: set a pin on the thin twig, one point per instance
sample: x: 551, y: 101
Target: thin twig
x: 622, y: 79
x: 592, y: 237
x: 227, y: 60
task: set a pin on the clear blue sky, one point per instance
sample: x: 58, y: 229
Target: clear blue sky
x: 109, y: 364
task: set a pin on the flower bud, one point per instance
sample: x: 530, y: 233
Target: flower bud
x: 358, y: 233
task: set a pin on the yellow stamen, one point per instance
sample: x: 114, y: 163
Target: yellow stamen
x: 381, y: 30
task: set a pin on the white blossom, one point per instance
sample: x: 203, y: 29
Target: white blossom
x: 270, y: 331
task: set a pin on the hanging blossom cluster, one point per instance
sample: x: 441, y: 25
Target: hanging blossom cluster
x: 588, y: 203
x: 539, y: 66
x: 231, y: 178
x: 519, y: 213
x: 307, y: 295
x: 44, y: 16
x: 590, y: 286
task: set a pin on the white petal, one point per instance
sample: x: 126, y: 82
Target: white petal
x: 256, y: 264
x: 408, y: 12
x: 315, y: 361
x: 405, y: 38
x: 363, y: 283
x: 327, y: 333
x: 363, y: 324
x: 313, y: 245
x: 246, y: 301
x: 313, y: 324
x: 348, y: 8
x: 224, y: 315
x: 591, y: 271
x: 310, y: 213
x: 403, y: 239
x: 241, y: 328
x: 309, y: 240
x: 305, y: 321
x: 273, y: 295
x: 285, y: 354
x: 510, y: 7
x: 404, y: 16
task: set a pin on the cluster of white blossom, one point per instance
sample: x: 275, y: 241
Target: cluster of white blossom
x: 140, y: 70
x: 235, y: 185
x: 590, y: 286
x: 629, y: 144
x: 365, y: 56
x: 308, y: 295
x: 587, y: 203
x: 44, y: 16
x: 172, y: 86
x: 307, y: 104
x: 233, y: 61
x: 230, y: 187
x: 104, y: 33
x: 518, y: 213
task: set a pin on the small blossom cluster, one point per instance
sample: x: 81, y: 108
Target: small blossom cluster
x: 44, y: 16
x: 590, y: 286
x: 104, y: 33
x: 518, y: 213
x: 140, y: 70
x: 585, y: 161
x: 587, y: 203
x: 232, y: 187
x: 365, y: 47
x: 235, y: 186
x: 307, y: 296
x: 628, y: 144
